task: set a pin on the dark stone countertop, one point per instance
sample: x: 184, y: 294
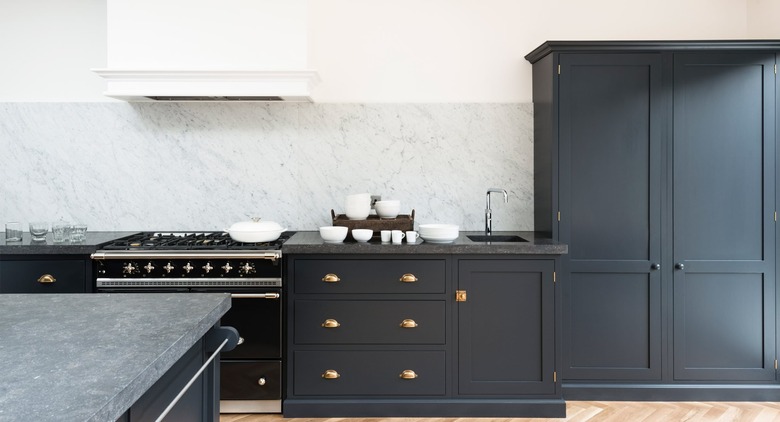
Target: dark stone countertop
x: 48, y: 247
x: 88, y: 357
x: 310, y: 242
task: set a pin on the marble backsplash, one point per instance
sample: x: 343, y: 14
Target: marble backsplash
x: 204, y: 166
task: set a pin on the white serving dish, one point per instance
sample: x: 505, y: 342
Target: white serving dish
x: 255, y: 231
x: 387, y: 209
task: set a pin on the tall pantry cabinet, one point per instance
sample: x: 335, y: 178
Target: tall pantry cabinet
x: 655, y: 162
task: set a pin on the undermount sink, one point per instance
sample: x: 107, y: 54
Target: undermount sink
x: 495, y: 238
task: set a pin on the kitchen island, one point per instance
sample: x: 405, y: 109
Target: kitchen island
x: 90, y: 357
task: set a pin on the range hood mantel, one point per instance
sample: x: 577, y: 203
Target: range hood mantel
x: 209, y: 85
x: 201, y: 50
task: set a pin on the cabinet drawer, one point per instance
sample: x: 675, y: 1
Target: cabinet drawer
x: 369, y: 322
x: 370, y: 276
x: 368, y: 373
x: 63, y: 276
x: 250, y: 380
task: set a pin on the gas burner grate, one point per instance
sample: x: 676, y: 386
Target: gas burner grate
x: 189, y: 241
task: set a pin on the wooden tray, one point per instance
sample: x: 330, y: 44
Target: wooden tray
x: 402, y: 222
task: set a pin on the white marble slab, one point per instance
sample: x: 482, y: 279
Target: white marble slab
x: 203, y: 166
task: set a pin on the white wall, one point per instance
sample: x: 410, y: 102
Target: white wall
x: 379, y: 50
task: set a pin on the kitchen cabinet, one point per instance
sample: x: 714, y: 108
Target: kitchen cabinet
x: 390, y: 335
x: 45, y: 274
x: 655, y: 163
x: 506, y: 330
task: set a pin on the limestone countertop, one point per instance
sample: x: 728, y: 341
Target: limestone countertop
x: 310, y: 242
x: 89, y: 357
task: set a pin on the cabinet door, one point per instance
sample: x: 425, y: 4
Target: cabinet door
x: 506, y: 327
x: 610, y: 130
x: 724, y: 251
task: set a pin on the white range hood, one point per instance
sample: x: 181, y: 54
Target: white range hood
x: 205, y: 50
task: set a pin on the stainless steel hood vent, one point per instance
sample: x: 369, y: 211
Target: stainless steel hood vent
x: 200, y: 50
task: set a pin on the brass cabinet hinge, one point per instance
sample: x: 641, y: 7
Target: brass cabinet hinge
x: 775, y: 364
x: 555, y: 376
x: 559, y: 216
x: 554, y: 280
x: 460, y: 295
x: 559, y: 72
x: 775, y: 215
x: 559, y: 69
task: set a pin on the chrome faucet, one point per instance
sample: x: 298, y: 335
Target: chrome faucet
x: 488, y: 212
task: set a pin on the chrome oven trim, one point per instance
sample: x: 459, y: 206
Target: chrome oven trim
x: 189, y: 254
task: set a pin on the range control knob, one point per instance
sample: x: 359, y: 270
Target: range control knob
x: 130, y: 268
x: 168, y: 267
x: 248, y: 268
x: 149, y: 267
x: 188, y: 267
x: 227, y: 267
x: 207, y: 268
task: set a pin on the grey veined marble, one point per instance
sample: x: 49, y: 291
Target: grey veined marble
x: 204, y: 166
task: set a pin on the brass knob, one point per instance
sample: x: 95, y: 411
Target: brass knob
x: 46, y: 279
x: 408, y: 278
x: 408, y: 374
x: 330, y: 323
x: 261, y: 381
x: 330, y: 374
x: 408, y: 323
x: 331, y: 278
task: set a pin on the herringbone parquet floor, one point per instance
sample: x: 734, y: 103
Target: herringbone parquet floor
x: 592, y: 411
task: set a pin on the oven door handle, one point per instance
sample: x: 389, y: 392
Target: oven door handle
x: 256, y: 295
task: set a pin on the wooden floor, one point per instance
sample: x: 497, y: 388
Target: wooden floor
x: 592, y: 411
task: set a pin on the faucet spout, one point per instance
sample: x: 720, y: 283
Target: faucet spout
x: 488, y: 212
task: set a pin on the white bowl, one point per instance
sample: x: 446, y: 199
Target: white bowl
x: 447, y: 230
x: 387, y: 209
x: 358, y: 212
x: 334, y: 234
x: 362, y: 235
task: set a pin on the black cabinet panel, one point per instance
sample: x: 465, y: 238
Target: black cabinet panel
x: 250, y: 380
x: 724, y: 238
x: 604, y: 342
x: 369, y: 373
x: 505, y: 327
x: 369, y: 322
x: 43, y: 276
x: 610, y: 195
x: 720, y: 155
x: 370, y: 276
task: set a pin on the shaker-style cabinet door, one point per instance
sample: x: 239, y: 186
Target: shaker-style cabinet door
x: 611, y: 114
x: 724, y: 229
x: 506, y: 327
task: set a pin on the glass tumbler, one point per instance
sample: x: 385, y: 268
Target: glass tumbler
x: 78, y: 232
x: 13, y: 232
x: 38, y: 230
x: 61, y: 232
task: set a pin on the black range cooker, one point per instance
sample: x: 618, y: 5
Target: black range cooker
x: 251, y: 374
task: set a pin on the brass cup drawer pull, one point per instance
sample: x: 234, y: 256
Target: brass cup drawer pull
x: 331, y: 323
x: 330, y: 374
x: 331, y: 278
x: 408, y: 278
x: 408, y: 323
x: 46, y: 279
x: 408, y: 374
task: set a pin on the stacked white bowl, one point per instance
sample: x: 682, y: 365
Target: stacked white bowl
x: 439, y: 233
x: 387, y: 208
x: 358, y: 206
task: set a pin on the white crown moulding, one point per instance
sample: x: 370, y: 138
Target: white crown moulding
x: 146, y: 85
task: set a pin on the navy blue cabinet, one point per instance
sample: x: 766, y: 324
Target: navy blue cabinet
x: 655, y: 162
x: 421, y: 335
x: 45, y: 274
